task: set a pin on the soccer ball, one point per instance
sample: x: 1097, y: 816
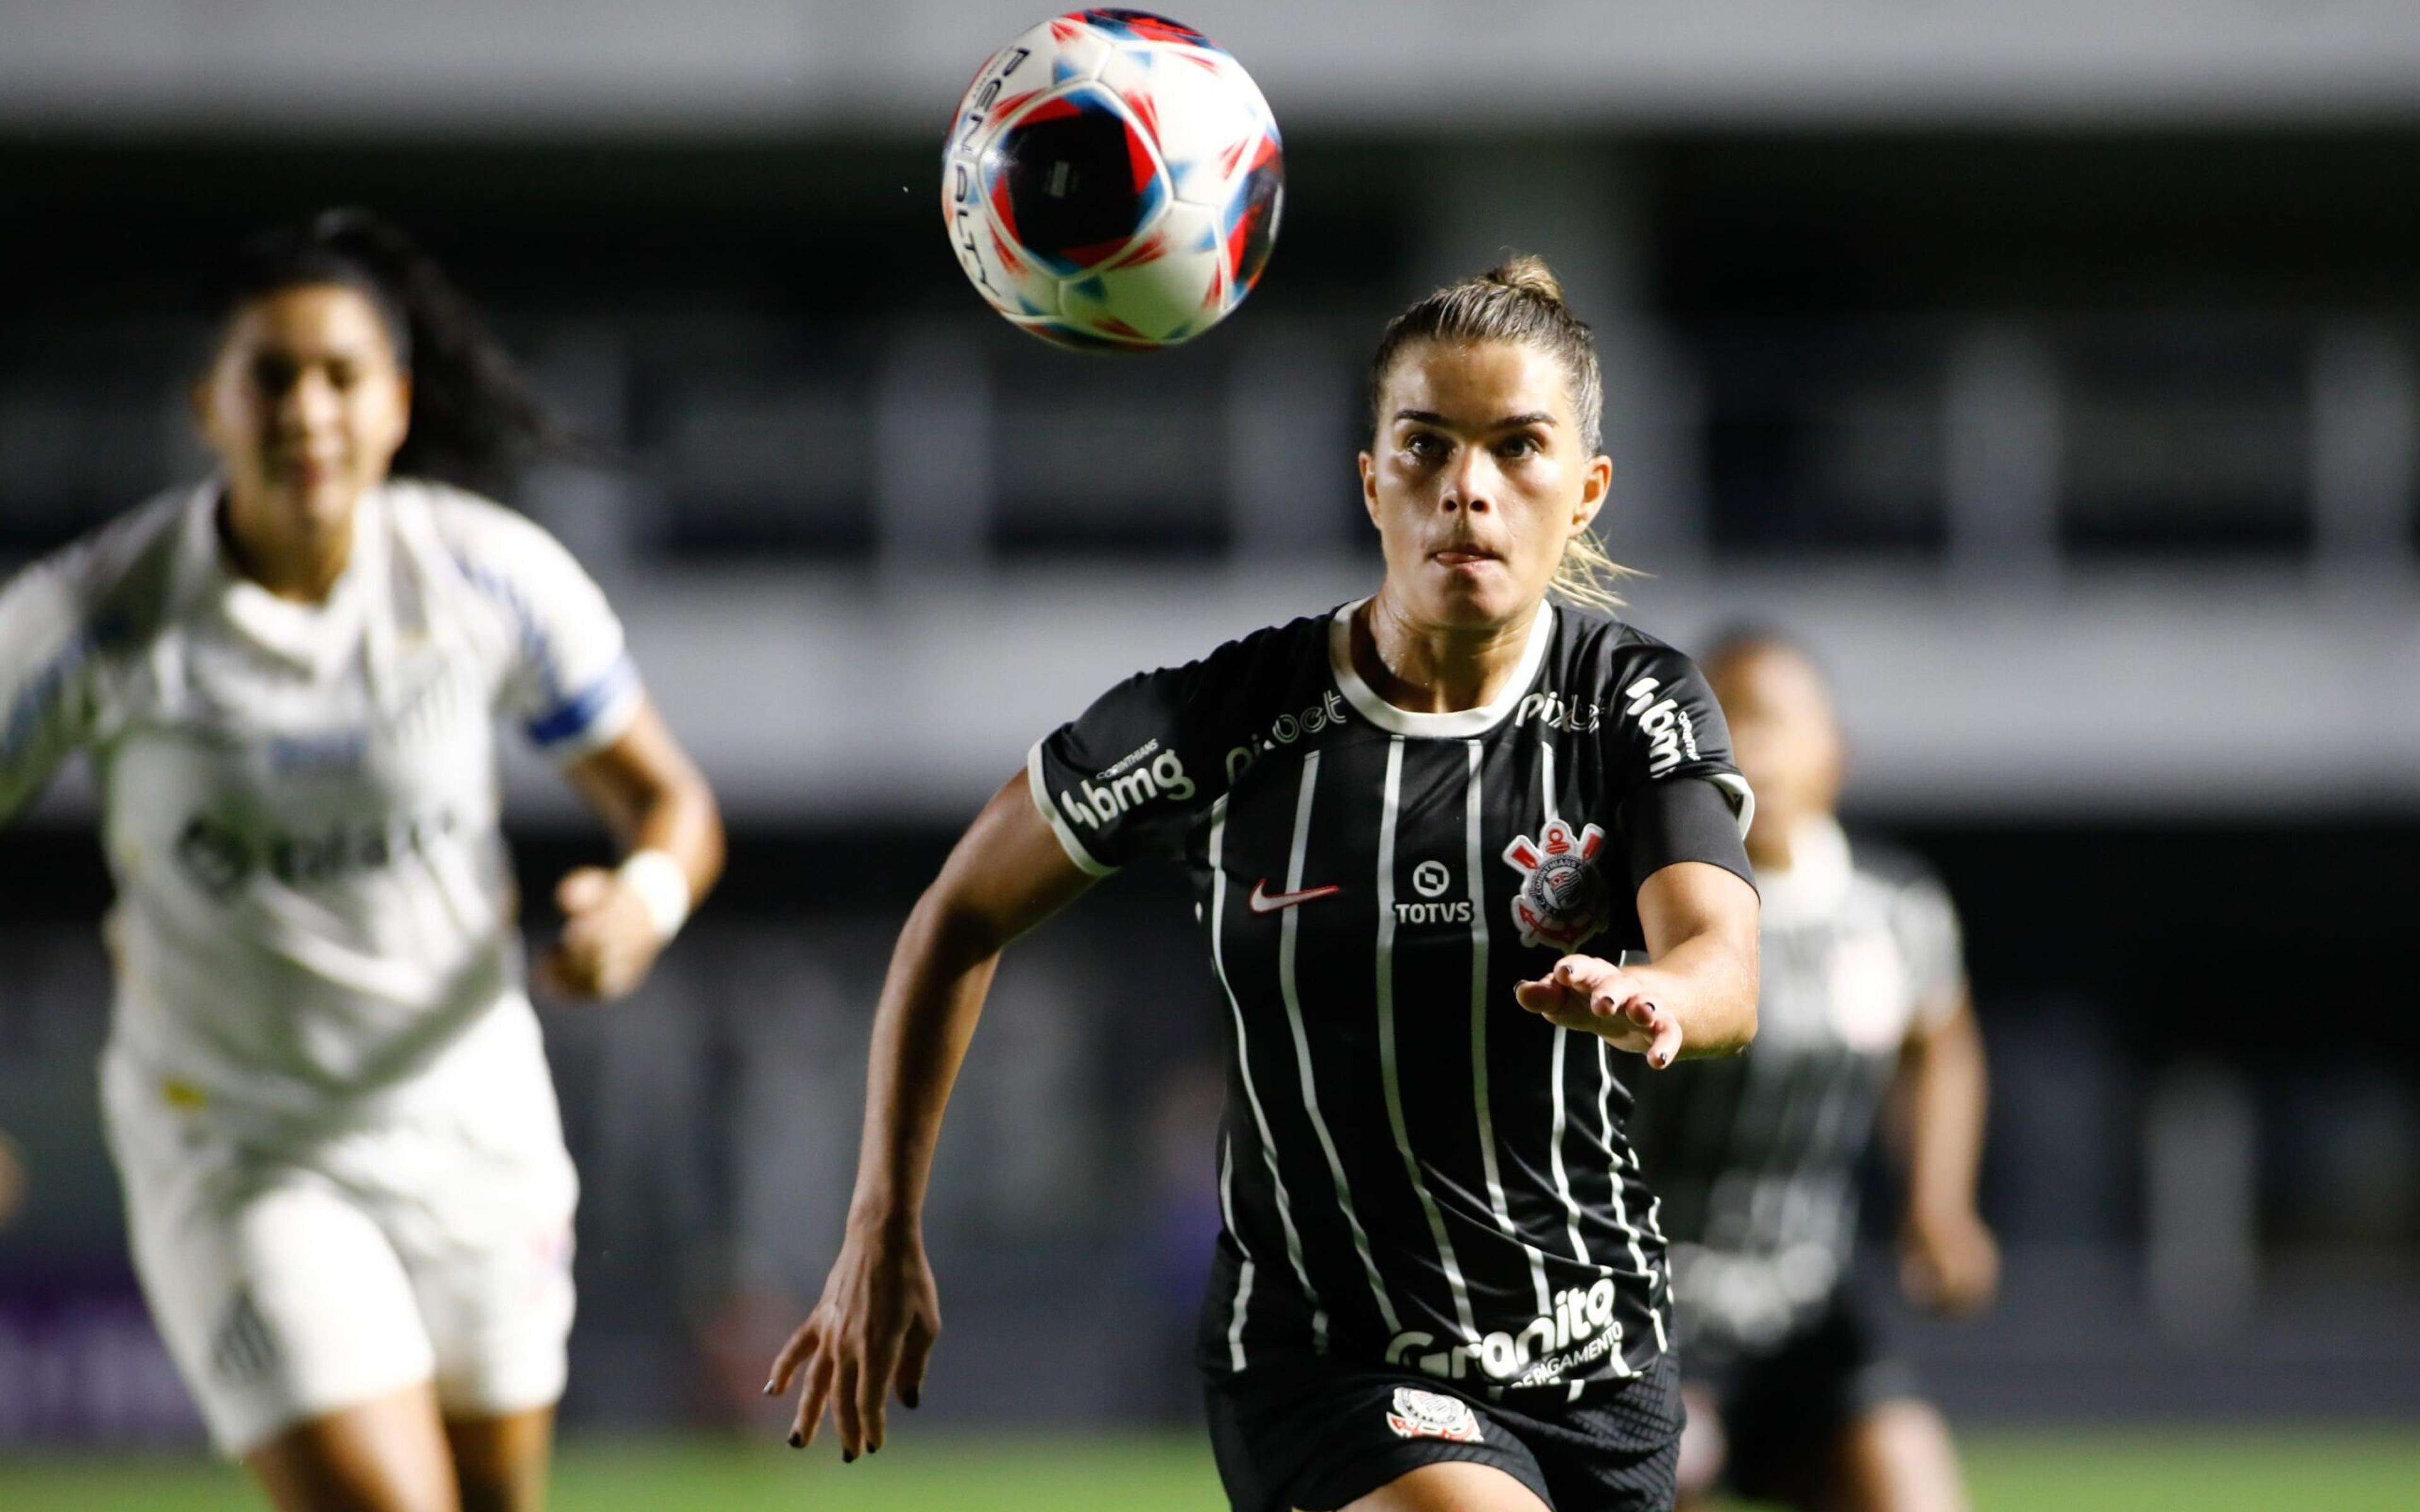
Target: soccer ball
x: 1112, y: 181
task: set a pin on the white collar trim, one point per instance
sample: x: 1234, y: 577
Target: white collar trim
x: 1460, y: 723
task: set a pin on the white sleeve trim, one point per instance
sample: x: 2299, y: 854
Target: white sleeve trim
x: 1040, y: 787
x: 1739, y: 794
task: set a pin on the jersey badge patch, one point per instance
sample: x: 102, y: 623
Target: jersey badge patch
x: 1428, y: 1414
x: 1563, y: 900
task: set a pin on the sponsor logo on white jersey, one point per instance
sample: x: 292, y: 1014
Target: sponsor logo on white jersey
x: 1563, y: 900
x: 1669, y: 731
x: 1142, y: 777
x: 1580, y: 1331
x: 1428, y: 1414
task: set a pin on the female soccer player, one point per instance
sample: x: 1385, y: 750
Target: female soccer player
x: 1759, y: 1160
x: 344, y: 1171
x: 1430, y: 833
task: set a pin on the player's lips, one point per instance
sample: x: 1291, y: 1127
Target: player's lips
x: 1464, y: 558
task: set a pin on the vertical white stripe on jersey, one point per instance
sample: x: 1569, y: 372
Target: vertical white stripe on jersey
x: 1562, y: 1040
x: 1391, y: 804
x: 1622, y: 1209
x: 1555, y: 1152
x: 1244, y: 1063
x: 1244, y: 1275
x: 1288, y: 926
x: 1473, y: 809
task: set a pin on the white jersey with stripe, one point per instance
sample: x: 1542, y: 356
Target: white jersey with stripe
x: 1759, y: 1160
x: 1414, y: 1171
x: 314, y: 912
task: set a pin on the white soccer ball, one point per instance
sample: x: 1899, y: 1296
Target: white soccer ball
x: 1114, y: 180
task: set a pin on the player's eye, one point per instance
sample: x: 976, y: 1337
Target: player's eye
x: 341, y: 375
x: 273, y: 376
x: 1515, y: 448
x: 1425, y: 445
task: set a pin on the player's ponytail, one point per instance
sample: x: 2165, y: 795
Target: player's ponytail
x: 1519, y: 300
x: 475, y: 421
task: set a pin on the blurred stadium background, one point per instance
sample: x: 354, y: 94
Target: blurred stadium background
x: 2052, y: 367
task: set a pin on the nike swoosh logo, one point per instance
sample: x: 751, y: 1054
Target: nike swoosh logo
x: 1265, y: 902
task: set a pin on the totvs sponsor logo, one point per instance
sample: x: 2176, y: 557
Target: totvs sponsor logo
x: 1581, y: 1331
x: 1667, y: 725
x: 1142, y: 776
x: 1430, y: 879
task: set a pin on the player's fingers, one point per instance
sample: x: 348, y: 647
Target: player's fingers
x: 1539, y: 996
x: 914, y: 1355
x: 583, y: 888
x: 845, y: 1413
x: 873, y: 1399
x: 1667, y: 1046
x: 821, y: 1369
x: 794, y: 1351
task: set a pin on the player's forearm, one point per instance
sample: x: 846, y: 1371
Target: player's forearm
x: 1947, y: 1093
x: 931, y: 1000
x: 681, y: 819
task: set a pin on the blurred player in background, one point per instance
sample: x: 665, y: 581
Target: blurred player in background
x: 1403, y: 819
x: 1791, y: 1399
x: 343, y: 1170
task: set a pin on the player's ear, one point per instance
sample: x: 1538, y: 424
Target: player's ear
x: 1370, y: 487
x: 1596, y: 485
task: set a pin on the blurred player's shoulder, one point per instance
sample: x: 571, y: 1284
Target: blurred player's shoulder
x: 468, y: 523
x: 1886, y: 862
x: 111, y: 583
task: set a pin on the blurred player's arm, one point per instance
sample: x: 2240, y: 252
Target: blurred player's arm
x: 1698, y: 998
x: 879, y: 1314
x: 653, y: 799
x: 1949, y: 1260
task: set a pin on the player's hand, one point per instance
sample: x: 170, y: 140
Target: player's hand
x: 1585, y: 993
x: 608, y: 940
x: 875, y: 1327
x: 1950, y: 1262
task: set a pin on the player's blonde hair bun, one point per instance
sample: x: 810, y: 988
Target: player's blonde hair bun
x: 1527, y: 273
x: 1519, y: 300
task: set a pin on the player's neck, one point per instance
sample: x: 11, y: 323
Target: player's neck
x: 301, y: 565
x: 1426, y: 668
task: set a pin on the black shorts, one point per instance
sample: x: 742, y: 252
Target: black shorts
x: 1784, y: 1407
x: 1315, y: 1436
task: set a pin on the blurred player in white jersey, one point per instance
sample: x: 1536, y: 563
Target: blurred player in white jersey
x: 1793, y: 1396
x: 344, y: 1171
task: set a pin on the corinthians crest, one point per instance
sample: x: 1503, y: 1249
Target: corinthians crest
x: 1428, y: 1414
x: 1563, y: 900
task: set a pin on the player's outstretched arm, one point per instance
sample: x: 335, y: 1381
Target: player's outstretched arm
x: 1698, y: 998
x: 659, y: 807
x: 879, y: 1314
x: 1948, y: 1259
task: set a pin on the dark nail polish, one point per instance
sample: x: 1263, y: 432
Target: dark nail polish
x: 873, y: 1448
x: 768, y: 1388
x: 849, y: 1456
x: 911, y: 1398
x: 797, y: 1440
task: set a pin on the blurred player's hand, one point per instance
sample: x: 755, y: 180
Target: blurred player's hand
x: 608, y: 939
x: 875, y: 1325
x: 1950, y: 1262
x: 1585, y: 993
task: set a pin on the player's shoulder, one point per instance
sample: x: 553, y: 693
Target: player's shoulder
x: 1594, y: 647
x: 1272, y: 662
x: 113, y: 582
x: 470, y: 526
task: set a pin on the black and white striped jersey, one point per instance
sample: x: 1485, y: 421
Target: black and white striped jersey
x: 1413, y: 1169
x: 1757, y: 1158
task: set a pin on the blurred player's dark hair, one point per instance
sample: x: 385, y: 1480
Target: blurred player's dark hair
x: 475, y: 423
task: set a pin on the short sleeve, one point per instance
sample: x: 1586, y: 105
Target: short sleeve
x: 46, y: 699
x: 1926, y: 923
x: 1681, y: 800
x: 570, y: 682
x: 1129, y: 777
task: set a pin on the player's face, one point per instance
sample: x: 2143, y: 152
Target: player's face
x: 1477, y: 478
x: 305, y: 405
x: 1783, y: 734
